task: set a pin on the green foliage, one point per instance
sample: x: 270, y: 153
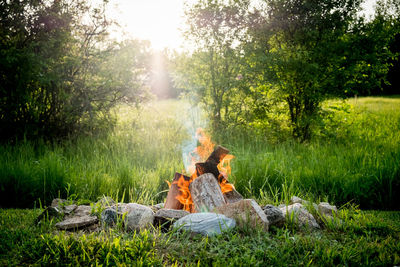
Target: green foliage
x: 257, y: 65
x: 297, y: 47
x: 211, y: 74
x: 59, y: 74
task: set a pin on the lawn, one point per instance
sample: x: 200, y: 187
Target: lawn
x: 366, y: 238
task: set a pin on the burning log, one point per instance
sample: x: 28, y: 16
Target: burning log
x: 207, y: 167
x: 211, y: 164
x: 172, y: 202
x: 217, y: 155
x: 206, y: 193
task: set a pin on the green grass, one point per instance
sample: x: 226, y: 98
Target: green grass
x: 366, y: 238
x: 354, y: 157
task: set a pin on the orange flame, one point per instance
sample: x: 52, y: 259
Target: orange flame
x: 185, y: 197
x: 206, y: 145
x: 203, y: 151
x: 224, y: 166
x: 225, y: 186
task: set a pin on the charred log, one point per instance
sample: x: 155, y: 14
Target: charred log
x: 207, y: 167
x: 172, y: 202
x: 217, y: 155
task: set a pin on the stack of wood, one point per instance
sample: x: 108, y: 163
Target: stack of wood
x: 204, y: 186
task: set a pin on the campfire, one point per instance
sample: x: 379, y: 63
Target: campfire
x: 208, y: 186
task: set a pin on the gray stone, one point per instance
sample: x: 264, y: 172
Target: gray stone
x: 324, y: 208
x: 81, y: 210
x: 49, y: 212
x: 158, y: 206
x: 205, y: 223
x: 171, y: 214
x: 120, y: 207
x: 281, y: 206
x: 166, y: 217
x: 109, y: 217
x: 309, y: 206
x: 302, y: 217
x: 315, y: 206
x: 77, y: 222
x: 105, y: 202
x: 138, y: 216
x: 305, y: 203
x: 58, y: 202
x: 79, y: 218
x: 295, y: 200
x: 69, y: 209
x: 274, y: 215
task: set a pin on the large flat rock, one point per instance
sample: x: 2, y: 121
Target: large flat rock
x: 81, y: 210
x: 77, y: 222
x: 205, y: 223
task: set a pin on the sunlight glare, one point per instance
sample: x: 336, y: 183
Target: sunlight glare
x: 155, y: 20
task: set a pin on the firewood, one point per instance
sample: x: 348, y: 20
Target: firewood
x: 217, y: 155
x: 172, y: 202
x: 207, y: 167
x: 232, y: 196
x: 206, y: 193
x: 211, y: 164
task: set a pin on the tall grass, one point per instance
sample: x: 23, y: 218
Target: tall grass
x: 354, y: 157
x: 133, y: 161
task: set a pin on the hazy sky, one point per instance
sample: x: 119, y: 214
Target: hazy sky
x: 160, y: 20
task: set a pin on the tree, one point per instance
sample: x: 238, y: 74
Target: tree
x: 61, y: 74
x: 212, y: 71
x: 298, y: 47
x: 388, y: 14
x: 296, y: 52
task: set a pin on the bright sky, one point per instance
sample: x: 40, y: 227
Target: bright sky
x: 159, y: 21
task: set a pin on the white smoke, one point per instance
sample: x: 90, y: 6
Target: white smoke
x: 193, y: 118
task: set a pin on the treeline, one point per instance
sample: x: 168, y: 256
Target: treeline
x: 60, y: 73
x: 260, y: 65
x: 269, y: 64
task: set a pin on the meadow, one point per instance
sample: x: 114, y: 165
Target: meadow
x: 354, y: 157
x: 353, y: 162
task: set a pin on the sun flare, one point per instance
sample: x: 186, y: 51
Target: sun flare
x: 155, y: 20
